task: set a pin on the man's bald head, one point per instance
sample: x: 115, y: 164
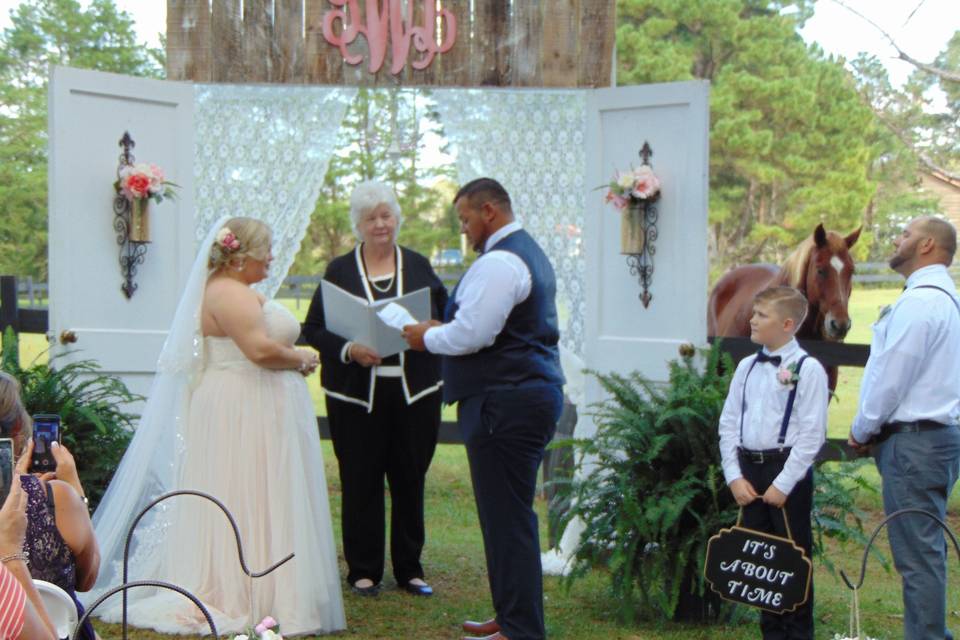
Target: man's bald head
x: 943, y: 233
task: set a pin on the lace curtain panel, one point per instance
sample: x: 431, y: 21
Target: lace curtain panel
x: 532, y: 141
x: 262, y: 152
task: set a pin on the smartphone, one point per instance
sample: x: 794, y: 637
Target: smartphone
x: 46, y: 430
x: 6, y: 467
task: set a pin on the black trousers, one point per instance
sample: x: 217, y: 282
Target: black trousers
x: 797, y: 625
x: 505, y: 433
x: 396, y: 441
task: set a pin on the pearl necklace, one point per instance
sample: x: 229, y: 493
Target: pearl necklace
x: 373, y: 283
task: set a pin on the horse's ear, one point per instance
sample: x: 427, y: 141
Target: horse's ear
x: 853, y: 237
x: 820, y: 236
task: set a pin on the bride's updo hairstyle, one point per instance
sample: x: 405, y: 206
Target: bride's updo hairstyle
x: 239, y: 239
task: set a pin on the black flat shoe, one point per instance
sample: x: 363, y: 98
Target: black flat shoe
x: 418, y: 589
x: 367, y: 592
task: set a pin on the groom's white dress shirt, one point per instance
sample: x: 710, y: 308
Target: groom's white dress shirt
x: 493, y: 285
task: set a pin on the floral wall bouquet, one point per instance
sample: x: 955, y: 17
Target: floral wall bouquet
x: 140, y: 181
x: 640, y: 184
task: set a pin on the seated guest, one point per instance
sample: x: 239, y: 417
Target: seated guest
x: 59, y: 539
x: 384, y: 412
x: 22, y: 614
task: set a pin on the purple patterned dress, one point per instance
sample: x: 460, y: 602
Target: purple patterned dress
x: 50, y: 557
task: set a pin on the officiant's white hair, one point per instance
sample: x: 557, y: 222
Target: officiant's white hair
x: 366, y: 197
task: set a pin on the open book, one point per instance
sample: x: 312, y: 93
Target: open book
x: 366, y: 323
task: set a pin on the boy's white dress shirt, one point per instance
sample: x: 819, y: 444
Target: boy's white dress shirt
x: 766, y: 402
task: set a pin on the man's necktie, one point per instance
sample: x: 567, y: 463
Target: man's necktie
x: 764, y: 357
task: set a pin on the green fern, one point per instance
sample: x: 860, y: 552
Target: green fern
x: 96, y: 428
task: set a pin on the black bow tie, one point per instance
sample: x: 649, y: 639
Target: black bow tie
x: 763, y: 357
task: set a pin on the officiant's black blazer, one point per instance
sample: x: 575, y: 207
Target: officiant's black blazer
x: 351, y: 382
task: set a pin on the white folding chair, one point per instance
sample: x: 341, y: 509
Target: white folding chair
x: 60, y: 607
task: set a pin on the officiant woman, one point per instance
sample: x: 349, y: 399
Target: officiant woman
x: 384, y: 413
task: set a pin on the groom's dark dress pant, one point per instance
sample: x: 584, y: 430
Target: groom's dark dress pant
x: 505, y: 433
x: 759, y: 516
x: 396, y: 441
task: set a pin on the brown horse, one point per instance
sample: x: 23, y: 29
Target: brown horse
x: 820, y: 267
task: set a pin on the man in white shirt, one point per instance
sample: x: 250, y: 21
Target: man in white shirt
x: 502, y: 366
x: 909, y: 411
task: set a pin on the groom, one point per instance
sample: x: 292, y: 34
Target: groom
x: 502, y: 366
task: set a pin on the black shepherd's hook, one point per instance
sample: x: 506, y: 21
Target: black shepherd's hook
x: 897, y: 514
x: 236, y: 533
x: 145, y: 583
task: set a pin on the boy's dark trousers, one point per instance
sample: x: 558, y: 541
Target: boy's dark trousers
x: 763, y: 517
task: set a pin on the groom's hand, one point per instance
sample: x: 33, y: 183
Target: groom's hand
x: 413, y: 334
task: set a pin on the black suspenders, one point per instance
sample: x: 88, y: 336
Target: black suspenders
x: 790, y: 400
x: 933, y: 286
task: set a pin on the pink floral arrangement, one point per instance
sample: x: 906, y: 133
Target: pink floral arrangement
x: 141, y: 181
x: 640, y: 184
x: 268, y: 629
x: 228, y: 243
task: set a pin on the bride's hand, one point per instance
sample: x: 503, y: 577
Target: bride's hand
x: 308, y: 361
x: 364, y: 356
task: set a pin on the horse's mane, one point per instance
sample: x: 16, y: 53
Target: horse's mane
x: 794, y: 268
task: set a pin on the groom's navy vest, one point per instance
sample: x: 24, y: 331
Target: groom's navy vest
x: 525, y: 352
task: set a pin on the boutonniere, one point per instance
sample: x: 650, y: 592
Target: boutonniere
x: 788, y: 375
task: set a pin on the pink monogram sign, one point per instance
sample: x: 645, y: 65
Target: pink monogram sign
x: 385, y: 18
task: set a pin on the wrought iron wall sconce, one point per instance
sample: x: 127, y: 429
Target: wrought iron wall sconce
x: 638, y: 231
x: 132, y: 235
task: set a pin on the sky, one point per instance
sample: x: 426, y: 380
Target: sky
x: 838, y: 31
x: 922, y: 35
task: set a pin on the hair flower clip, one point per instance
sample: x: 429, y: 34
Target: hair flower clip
x: 227, y: 240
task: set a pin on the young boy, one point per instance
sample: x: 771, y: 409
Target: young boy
x: 771, y: 434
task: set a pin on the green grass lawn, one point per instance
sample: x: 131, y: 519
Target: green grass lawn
x: 453, y: 557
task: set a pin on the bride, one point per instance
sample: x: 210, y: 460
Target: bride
x: 228, y: 414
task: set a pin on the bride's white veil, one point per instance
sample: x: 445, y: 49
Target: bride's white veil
x: 149, y: 466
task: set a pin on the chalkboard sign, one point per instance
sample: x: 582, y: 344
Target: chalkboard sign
x: 758, y: 569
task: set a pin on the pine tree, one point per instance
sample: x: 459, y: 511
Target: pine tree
x: 787, y: 145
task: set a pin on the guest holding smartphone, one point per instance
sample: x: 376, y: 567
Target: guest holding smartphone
x: 59, y: 537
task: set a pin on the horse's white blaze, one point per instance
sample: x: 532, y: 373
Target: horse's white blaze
x: 837, y: 264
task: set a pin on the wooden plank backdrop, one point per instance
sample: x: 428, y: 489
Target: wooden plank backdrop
x: 520, y: 43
